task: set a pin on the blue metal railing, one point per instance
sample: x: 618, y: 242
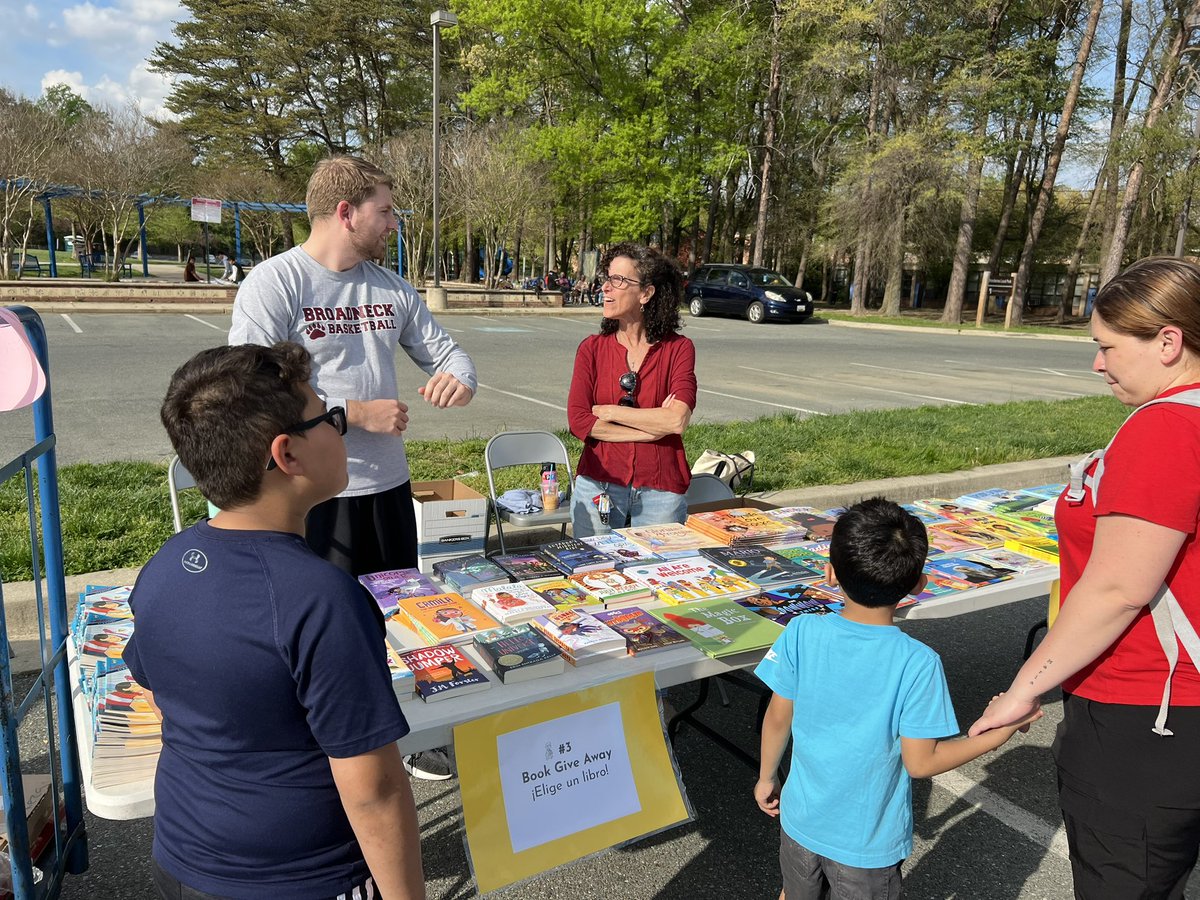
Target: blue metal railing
x: 67, y: 853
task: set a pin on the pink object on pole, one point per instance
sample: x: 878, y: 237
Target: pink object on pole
x: 22, y: 380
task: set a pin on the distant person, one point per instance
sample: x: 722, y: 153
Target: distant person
x: 279, y: 774
x: 239, y: 274
x: 871, y: 726
x: 227, y: 272
x: 632, y: 395
x: 351, y: 314
x: 189, y: 269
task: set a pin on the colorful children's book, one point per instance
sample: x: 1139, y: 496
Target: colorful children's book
x: 943, y: 542
x: 1009, y: 559
x: 1044, y: 549
x: 972, y: 532
x: 442, y: 671
x: 388, y: 587
x: 465, y: 573
x: 441, y: 619
x: 511, y: 604
x: 739, y: 527
x: 720, y: 627
x: 924, y: 516
x: 519, y: 654
x: 938, y: 586
x: 816, y: 524
x: 946, y: 508
x: 560, y: 592
x: 972, y: 572
x: 997, y: 498
x: 612, y: 588
x: 784, y: 604
x: 582, y: 637
x: 669, y: 541
x: 692, y: 578
x: 571, y: 556
x: 526, y: 566
x: 621, y: 550
x: 402, y: 676
x: 800, y: 555
x: 642, y: 632
x: 759, y: 565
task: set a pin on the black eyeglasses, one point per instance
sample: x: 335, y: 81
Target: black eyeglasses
x: 620, y: 281
x: 628, y: 383
x: 335, y: 417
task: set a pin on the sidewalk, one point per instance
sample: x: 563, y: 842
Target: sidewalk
x: 20, y: 609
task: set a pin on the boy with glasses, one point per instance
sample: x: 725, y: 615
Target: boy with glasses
x: 279, y: 774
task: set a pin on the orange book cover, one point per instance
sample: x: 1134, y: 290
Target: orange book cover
x: 446, y: 617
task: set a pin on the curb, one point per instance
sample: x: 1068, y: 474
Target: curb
x: 184, y: 308
x: 963, y: 331
x: 20, y: 608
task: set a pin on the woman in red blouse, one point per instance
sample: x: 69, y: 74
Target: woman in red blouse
x: 632, y: 395
x: 1129, y: 781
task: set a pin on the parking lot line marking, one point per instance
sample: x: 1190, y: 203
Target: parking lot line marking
x: 1045, y: 370
x: 867, y: 387
x: 1019, y: 819
x: 909, y: 371
x: 523, y: 397
x: 202, y: 322
x: 811, y: 412
x: 71, y: 322
x: 702, y: 328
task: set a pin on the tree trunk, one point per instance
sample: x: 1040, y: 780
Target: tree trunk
x: 956, y: 292
x: 1068, y: 300
x: 895, y: 275
x: 1014, y: 175
x: 1112, y: 164
x: 861, y: 285
x: 772, y: 113
x: 469, y: 262
x: 730, y: 230
x: 1110, y: 265
x: 1025, y: 266
x: 714, y: 206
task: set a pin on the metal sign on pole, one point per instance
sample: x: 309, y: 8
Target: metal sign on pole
x: 206, y: 210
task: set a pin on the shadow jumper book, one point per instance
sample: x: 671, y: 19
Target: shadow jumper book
x: 642, y: 632
x: 465, y: 573
x: 388, y: 587
x: 720, y: 627
x: 442, y: 671
x: 519, y: 654
x: 760, y: 565
x: 526, y: 566
x: 571, y: 556
x: 442, y: 618
x: 622, y: 551
x: 693, y: 578
x: 511, y: 604
x: 582, y: 637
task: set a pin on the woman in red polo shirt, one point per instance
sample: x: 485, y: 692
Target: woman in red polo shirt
x: 1129, y: 780
x: 631, y: 398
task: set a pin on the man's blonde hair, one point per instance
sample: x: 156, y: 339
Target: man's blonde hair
x: 342, y: 178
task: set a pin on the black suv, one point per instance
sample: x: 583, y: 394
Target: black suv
x: 751, y: 291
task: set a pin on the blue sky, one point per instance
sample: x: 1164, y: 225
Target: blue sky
x: 98, y: 48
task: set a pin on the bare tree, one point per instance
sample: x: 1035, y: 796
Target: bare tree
x: 408, y: 158
x: 30, y: 142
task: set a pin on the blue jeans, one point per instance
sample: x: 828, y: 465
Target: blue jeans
x: 628, y: 506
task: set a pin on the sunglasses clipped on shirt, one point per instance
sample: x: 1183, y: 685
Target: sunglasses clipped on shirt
x: 628, y: 383
x: 335, y: 417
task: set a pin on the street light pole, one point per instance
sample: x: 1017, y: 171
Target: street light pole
x: 439, y: 19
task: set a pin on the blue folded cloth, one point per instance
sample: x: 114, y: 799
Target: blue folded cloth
x: 520, y: 502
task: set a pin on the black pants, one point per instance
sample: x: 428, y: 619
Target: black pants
x: 366, y: 534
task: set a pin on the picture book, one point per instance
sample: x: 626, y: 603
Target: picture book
x: 938, y: 586
x: 612, y: 588
x: 560, y: 592
x: 995, y: 498
x: 519, y: 654
x: 720, y: 627
x: 103, y: 641
x: 442, y: 618
x: 974, y: 532
x: 443, y: 671
x: 621, y: 550
x: 101, y: 607
x: 800, y: 555
x: 1009, y: 559
x: 736, y: 527
x: 944, y: 542
x: 388, y: 587
x: 784, y: 604
x: 571, y: 556
x: 582, y: 637
x: 1046, y: 491
x: 924, y: 516
x: 669, y: 541
x: 692, y: 578
x: 643, y: 633
x: 1031, y: 520
x: 465, y: 573
x: 946, y: 508
x: 526, y: 566
x: 970, y: 571
x: 511, y: 604
x: 1041, y: 548
x: 402, y: 676
x: 759, y: 565
x: 817, y: 525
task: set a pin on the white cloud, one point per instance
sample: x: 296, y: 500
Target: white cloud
x: 137, y: 22
x: 73, y: 80
x: 31, y: 12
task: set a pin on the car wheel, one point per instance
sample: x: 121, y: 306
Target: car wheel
x: 696, y: 307
x: 756, y: 312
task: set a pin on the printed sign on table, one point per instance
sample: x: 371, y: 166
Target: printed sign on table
x: 557, y: 780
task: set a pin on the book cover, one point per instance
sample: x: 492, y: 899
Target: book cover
x: 720, y: 627
x: 759, y: 565
x: 924, y: 516
x: 817, y: 525
x: 465, y: 573
x: 402, y: 675
x: 972, y: 532
x: 443, y: 618
x: 784, y: 604
x: 1044, y: 549
x: 582, y: 637
x: 643, y: 633
x: 611, y: 586
x: 389, y: 586
x: 1009, y: 559
x: 946, y: 508
x: 989, y: 499
x: 938, y: 586
x: 560, y: 592
x: 571, y: 556
x: 970, y: 571
x: 692, y: 578
x: 807, y: 559
x: 943, y: 542
x: 668, y: 541
x: 526, y: 566
x: 104, y: 641
x: 519, y: 654
x: 743, y: 526
x: 511, y: 604
x: 442, y: 671
x: 621, y: 550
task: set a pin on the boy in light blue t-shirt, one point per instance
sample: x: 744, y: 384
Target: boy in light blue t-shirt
x: 865, y: 705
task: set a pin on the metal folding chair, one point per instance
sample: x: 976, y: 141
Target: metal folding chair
x: 525, y: 448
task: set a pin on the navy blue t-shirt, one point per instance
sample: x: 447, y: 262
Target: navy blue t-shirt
x: 265, y: 660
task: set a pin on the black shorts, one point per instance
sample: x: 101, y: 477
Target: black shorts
x: 1130, y: 798
x: 366, y: 534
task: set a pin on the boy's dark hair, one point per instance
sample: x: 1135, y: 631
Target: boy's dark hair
x: 661, y: 312
x: 223, y: 409
x: 878, y: 551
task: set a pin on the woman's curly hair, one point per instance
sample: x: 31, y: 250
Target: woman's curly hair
x: 654, y: 270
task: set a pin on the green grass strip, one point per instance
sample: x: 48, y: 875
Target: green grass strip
x: 117, y: 514
x: 967, y: 325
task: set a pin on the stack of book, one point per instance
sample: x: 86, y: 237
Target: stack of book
x: 764, y: 567
x: 389, y: 586
x: 465, y: 573
x: 442, y: 671
x: 720, y: 627
x: 817, y: 524
x: 643, y: 633
x: 519, y: 654
x: 526, y: 566
x: 437, y: 619
x: 783, y: 605
x: 511, y: 604
x: 560, y: 592
x: 692, y: 578
x: 612, y: 589
x: 573, y: 557
x: 622, y: 551
x: 746, y: 527
x: 581, y: 637
x: 402, y: 676
x: 670, y: 541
